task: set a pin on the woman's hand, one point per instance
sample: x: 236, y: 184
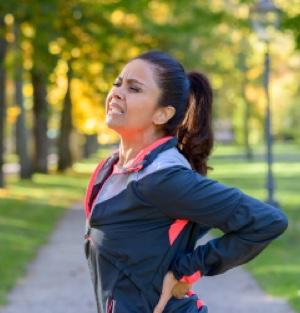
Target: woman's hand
x: 171, y: 287
x: 180, y: 290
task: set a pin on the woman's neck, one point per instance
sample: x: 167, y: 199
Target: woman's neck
x: 131, y: 146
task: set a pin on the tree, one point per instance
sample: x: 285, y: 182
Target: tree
x: 21, y: 130
x: 40, y: 110
x: 99, y: 37
x: 64, y: 150
x: 3, y: 45
x: 248, y: 151
x: 293, y: 23
x: 29, y: 16
x: 91, y: 145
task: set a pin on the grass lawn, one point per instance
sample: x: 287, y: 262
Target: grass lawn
x: 277, y: 269
x: 28, y: 212
x: 30, y: 209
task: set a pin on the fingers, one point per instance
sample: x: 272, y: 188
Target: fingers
x: 161, y: 304
x: 164, y: 298
x: 180, y: 290
x: 168, y: 284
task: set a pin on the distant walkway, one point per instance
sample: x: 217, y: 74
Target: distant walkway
x: 11, y: 168
x: 58, y: 281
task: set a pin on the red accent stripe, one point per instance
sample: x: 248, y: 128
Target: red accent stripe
x: 90, y: 239
x: 200, y: 303
x: 140, y: 157
x: 109, y: 309
x: 116, y: 169
x: 191, y: 279
x: 134, y: 169
x: 175, y: 230
x: 90, y: 187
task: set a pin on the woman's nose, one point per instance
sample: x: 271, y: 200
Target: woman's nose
x: 117, y: 93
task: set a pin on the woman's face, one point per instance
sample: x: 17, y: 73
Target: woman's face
x: 132, y: 102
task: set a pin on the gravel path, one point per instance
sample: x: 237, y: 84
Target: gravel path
x: 58, y: 281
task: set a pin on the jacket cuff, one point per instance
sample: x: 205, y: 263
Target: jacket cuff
x: 191, y: 279
x: 184, y: 270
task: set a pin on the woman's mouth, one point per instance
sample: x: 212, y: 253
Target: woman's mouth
x: 114, y: 110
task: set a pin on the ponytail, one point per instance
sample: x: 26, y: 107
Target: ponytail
x: 195, y: 133
x: 191, y: 96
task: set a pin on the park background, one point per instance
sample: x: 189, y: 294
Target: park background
x: 58, y: 59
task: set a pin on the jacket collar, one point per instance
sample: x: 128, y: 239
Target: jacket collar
x: 105, y: 168
x: 147, y: 155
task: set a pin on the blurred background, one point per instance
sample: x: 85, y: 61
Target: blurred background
x: 58, y: 60
x: 61, y: 58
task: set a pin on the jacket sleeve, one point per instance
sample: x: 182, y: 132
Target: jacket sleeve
x: 249, y: 225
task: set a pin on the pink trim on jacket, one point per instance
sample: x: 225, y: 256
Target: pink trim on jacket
x: 175, y: 230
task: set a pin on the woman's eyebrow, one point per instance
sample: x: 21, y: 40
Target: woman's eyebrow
x: 130, y: 80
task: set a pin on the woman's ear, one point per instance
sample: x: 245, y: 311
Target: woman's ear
x: 163, y: 114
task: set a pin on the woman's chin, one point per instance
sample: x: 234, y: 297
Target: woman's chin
x: 114, y: 126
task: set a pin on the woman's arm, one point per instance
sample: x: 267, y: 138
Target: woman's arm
x: 247, y: 232
x: 249, y: 225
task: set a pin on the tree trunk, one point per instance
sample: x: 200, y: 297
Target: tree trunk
x: 64, y: 149
x: 91, y: 145
x: 3, y: 45
x: 246, y: 129
x: 21, y: 131
x: 248, y: 149
x: 40, y: 111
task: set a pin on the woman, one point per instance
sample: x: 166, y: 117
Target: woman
x: 147, y: 203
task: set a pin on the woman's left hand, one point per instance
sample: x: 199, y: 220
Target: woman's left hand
x: 171, y: 287
x: 180, y: 290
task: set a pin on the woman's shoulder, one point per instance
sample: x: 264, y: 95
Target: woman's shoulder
x: 169, y: 158
x: 167, y: 161
x: 166, y: 167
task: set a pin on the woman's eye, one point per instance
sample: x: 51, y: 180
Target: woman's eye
x: 135, y: 89
x: 116, y: 84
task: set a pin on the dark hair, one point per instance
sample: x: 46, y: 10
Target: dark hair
x: 191, y: 96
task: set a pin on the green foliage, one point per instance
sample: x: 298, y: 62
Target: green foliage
x: 292, y: 23
x: 97, y: 37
